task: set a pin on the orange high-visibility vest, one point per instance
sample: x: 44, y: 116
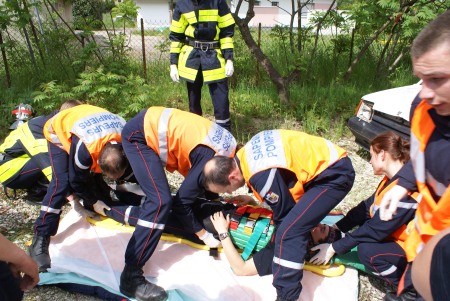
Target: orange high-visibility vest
x: 432, y: 216
x: 94, y: 127
x: 305, y: 155
x: 173, y: 134
x: 401, y: 233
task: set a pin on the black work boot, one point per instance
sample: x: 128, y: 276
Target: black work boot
x: 133, y: 284
x: 35, y: 196
x: 406, y: 295
x: 39, y: 252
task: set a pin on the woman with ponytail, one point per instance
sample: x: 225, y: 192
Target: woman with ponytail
x: 380, y: 243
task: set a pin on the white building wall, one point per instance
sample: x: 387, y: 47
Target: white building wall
x: 156, y: 14
x: 269, y: 15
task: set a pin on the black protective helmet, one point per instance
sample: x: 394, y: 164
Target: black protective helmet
x: 23, y: 112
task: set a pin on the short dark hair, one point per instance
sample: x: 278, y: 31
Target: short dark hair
x: 112, y: 159
x: 433, y: 35
x: 333, y: 235
x: 218, y: 174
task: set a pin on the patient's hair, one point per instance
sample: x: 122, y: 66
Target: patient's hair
x: 333, y: 235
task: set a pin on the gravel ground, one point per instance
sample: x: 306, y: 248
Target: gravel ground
x: 17, y: 218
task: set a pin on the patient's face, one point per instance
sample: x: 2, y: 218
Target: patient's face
x: 320, y: 233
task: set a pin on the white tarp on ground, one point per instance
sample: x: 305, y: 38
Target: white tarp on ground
x: 98, y: 254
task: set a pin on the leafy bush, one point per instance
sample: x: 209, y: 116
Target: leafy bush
x: 126, y: 95
x: 88, y: 13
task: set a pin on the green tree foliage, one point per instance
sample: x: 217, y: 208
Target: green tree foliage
x: 124, y: 94
x: 88, y: 13
x: 125, y: 11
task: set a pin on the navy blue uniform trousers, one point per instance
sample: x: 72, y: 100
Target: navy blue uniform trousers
x: 219, y: 97
x: 386, y: 259
x: 296, y: 220
x: 155, y: 209
x: 47, y: 222
x: 27, y: 177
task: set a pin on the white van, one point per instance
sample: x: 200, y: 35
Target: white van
x: 382, y: 111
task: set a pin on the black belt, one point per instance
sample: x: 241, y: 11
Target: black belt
x: 204, y: 46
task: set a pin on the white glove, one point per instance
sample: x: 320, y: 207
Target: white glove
x: 209, y: 240
x: 100, y: 207
x: 174, y: 73
x: 229, y: 69
x: 389, y: 203
x: 326, y: 251
x: 83, y: 212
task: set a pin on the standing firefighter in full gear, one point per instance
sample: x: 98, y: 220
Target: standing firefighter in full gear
x: 202, y: 52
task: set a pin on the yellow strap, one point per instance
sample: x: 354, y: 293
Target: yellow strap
x: 332, y: 270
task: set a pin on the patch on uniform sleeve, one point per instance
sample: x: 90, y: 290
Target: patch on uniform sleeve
x: 271, y: 197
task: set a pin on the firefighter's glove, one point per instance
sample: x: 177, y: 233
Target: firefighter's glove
x: 100, y: 208
x: 390, y: 201
x: 326, y: 251
x: 209, y: 240
x: 79, y: 208
x: 174, y: 73
x: 229, y: 69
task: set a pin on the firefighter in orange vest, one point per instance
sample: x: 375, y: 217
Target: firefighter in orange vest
x: 380, y: 243
x: 76, y: 137
x: 301, y: 177
x: 201, y: 51
x: 430, y: 142
x: 155, y: 139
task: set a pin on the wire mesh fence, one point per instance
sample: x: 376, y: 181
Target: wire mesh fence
x: 32, y: 49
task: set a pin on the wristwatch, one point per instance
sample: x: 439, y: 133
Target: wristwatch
x: 224, y: 235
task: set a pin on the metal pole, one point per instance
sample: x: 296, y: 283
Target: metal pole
x: 143, y: 50
x: 36, y: 11
x: 259, y: 46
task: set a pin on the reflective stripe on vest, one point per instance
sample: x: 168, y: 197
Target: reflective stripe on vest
x: 173, y: 134
x: 305, y: 155
x: 93, y: 125
x: 162, y: 134
x: 34, y: 146
x: 432, y: 216
x: 400, y: 234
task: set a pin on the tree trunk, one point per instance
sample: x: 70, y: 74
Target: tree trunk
x: 280, y: 83
x: 363, y: 50
x: 404, y: 7
x: 5, y: 62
